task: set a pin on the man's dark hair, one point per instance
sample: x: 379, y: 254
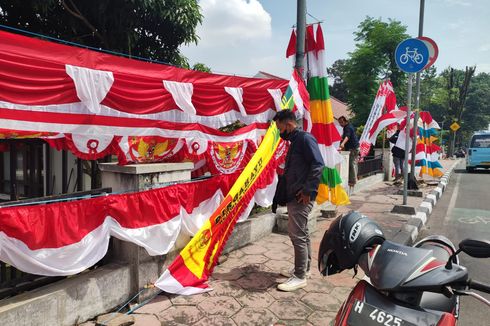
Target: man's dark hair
x: 284, y: 116
x: 343, y: 118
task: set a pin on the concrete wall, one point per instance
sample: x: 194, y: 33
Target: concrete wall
x: 69, y: 301
x: 343, y: 169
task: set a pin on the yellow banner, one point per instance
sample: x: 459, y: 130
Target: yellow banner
x: 200, y: 253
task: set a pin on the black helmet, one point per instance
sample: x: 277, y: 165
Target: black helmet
x: 348, y: 237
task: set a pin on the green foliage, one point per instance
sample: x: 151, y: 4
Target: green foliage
x: 201, y: 67
x: 447, y: 103
x: 476, y: 115
x: 147, y: 28
x: 372, y: 61
x: 339, y: 89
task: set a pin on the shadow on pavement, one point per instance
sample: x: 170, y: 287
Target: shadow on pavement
x: 250, y: 278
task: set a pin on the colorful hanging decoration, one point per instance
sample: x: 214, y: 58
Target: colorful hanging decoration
x: 427, y: 155
x: 322, y: 120
x: 95, y: 104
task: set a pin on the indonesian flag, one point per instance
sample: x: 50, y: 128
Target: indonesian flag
x: 385, y: 97
x: 384, y: 121
x: 291, y: 50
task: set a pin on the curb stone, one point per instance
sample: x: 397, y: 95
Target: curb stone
x: 410, y: 231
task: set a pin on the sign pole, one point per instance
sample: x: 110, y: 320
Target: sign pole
x: 411, y: 56
x: 413, y: 184
x: 407, y: 138
x: 454, y: 143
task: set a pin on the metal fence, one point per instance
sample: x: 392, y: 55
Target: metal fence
x: 14, y: 281
x: 370, y: 166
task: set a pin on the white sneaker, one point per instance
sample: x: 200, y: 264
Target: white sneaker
x: 290, y: 272
x: 292, y: 284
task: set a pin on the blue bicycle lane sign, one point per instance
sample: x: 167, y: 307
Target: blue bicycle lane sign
x: 411, y: 55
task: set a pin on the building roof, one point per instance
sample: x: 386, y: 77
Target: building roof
x: 339, y: 108
x: 266, y: 75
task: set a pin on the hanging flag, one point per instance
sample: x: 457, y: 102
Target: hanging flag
x: 384, y: 121
x: 296, y: 95
x: 323, y: 127
x: 385, y: 91
x: 291, y: 50
x: 427, y: 156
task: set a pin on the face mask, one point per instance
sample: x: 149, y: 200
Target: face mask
x: 285, y: 135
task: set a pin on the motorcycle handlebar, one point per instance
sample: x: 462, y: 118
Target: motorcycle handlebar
x: 479, y: 286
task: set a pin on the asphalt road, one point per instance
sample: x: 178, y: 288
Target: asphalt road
x: 464, y: 212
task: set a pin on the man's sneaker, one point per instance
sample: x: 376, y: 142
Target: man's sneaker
x: 290, y: 272
x: 292, y: 284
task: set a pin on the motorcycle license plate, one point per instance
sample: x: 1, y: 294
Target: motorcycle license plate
x: 366, y: 315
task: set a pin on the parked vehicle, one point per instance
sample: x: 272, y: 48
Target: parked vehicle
x: 460, y: 152
x: 406, y: 286
x: 478, y: 151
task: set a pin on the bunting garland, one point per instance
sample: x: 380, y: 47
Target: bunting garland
x: 95, y: 104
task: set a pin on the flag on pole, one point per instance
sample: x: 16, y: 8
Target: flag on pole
x: 385, y: 97
x: 291, y: 50
x: 322, y: 120
x: 384, y: 121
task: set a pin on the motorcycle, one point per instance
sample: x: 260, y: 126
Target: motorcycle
x: 404, y: 286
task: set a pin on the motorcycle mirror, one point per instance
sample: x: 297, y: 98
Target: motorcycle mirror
x: 475, y: 248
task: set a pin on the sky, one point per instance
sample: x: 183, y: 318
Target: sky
x: 242, y: 37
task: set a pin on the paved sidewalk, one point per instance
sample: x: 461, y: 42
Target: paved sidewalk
x: 244, y: 291
x: 245, y: 284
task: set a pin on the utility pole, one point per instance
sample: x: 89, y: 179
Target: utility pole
x: 301, y: 35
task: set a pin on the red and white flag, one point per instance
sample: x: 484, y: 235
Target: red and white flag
x: 385, y: 98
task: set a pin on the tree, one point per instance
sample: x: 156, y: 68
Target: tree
x: 201, y: 67
x: 151, y: 29
x: 339, y: 88
x: 453, y: 88
x: 476, y: 114
x: 428, y: 86
x: 372, y: 61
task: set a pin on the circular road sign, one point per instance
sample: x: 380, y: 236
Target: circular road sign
x: 412, y: 55
x: 433, y: 50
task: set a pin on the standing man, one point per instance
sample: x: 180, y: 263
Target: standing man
x: 350, y: 143
x: 303, y: 170
x: 398, y: 155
